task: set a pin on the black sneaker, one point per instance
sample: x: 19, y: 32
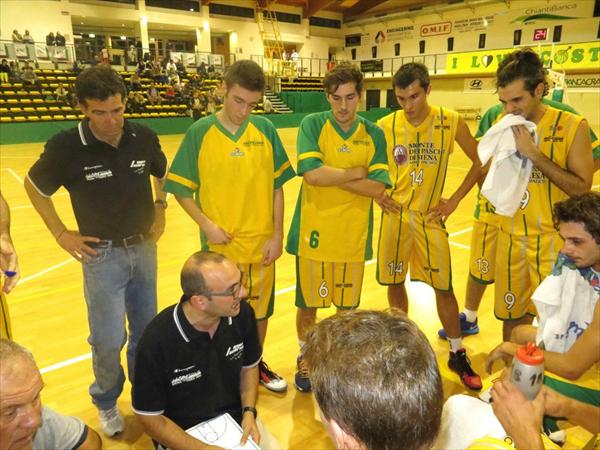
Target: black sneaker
x: 301, y: 379
x: 459, y: 363
x: 270, y: 379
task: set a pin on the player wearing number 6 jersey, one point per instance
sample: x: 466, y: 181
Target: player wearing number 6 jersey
x: 420, y: 139
x: 342, y: 159
x: 528, y: 242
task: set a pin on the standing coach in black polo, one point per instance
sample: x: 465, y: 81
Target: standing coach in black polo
x: 105, y: 163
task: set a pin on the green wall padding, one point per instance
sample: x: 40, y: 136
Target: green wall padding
x: 20, y: 133
x: 305, y: 102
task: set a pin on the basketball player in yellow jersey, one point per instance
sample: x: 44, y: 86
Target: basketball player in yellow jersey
x: 228, y: 175
x: 528, y: 243
x: 342, y: 159
x: 420, y: 139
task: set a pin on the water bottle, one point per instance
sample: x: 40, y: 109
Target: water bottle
x: 528, y: 370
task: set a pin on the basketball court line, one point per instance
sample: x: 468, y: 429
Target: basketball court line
x: 14, y: 174
x: 77, y: 359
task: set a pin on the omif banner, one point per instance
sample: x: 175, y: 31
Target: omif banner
x: 558, y: 57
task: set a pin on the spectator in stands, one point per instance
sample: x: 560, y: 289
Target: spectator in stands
x: 132, y: 105
x: 211, y: 105
x: 27, y: 38
x: 267, y: 105
x: 16, y: 36
x: 50, y: 39
x: 4, y: 71
x: 14, y: 75
x: 135, y: 82
x: 24, y: 422
x: 211, y: 71
x: 60, y: 40
x: 171, y: 69
x: 180, y: 67
x: 153, y: 94
x: 196, y: 106
x: 202, y: 70
x: 169, y: 93
x: 61, y: 94
x: 105, y: 56
x: 376, y: 380
x: 132, y: 55
x: 141, y: 101
x: 76, y: 68
x: 28, y: 76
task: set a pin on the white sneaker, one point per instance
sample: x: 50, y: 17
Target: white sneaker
x: 111, y: 421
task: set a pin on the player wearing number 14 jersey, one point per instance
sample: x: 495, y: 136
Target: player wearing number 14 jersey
x: 420, y: 139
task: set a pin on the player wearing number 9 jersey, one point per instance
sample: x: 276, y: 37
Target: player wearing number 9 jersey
x: 420, y: 139
x: 528, y: 242
x: 342, y: 159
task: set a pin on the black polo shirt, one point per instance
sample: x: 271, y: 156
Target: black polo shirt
x: 110, y: 188
x: 187, y: 376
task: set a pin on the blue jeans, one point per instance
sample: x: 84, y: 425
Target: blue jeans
x: 117, y: 282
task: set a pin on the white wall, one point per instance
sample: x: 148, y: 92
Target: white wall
x: 40, y: 17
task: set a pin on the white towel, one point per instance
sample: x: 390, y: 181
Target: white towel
x: 565, y: 302
x: 509, y: 172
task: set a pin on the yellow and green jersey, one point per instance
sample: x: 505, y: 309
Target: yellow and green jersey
x: 418, y: 156
x: 493, y: 115
x: 331, y: 224
x: 232, y: 178
x: 556, y: 132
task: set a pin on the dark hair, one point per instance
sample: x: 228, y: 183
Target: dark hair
x: 246, y: 74
x: 375, y: 374
x: 192, y: 280
x: 410, y: 72
x: 522, y: 64
x: 341, y: 74
x: 584, y: 209
x: 99, y: 83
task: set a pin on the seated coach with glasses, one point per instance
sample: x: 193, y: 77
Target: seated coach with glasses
x: 199, y: 358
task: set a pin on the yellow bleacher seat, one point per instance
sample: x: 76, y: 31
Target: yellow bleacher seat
x: 19, y: 119
x: 5, y: 119
x: 33, y: 118
x: 38, y: 100
x: 15, y: 109
x: 54, y: 108
x: 9, y: 92
x: 58, y: 117
x: 17, y: 85
x: 45, y: 117
x: 41, y: 108
x: 26, y: 100
x: 66, y: 108
x: 71, y: 117
x: 28, y: 108
x: 3, y: 110
x: 81, y: 116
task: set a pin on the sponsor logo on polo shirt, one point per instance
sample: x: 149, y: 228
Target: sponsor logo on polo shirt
x: 138, y: 166
x: 235, y: 351
x: 186, y: 378
x: 237, y: 152
x: 98, y: 175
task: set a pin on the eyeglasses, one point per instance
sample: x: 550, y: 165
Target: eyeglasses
x: 234, y: 291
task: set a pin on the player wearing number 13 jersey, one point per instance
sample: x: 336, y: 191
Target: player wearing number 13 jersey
x: 342, y: 159
x: 420, y: 139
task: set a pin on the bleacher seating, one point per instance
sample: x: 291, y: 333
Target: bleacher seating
x: 302, y: 84
x: 35, y: 103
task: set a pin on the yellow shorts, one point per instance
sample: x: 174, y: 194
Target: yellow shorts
x: 407, y: 238
x: 484, y: 237
x: 321, y: 283
x: 5, y: 328
x: 261, y: 288
x: 522, y: 262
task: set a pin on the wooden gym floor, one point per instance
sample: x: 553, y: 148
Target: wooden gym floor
x: 49, y: 316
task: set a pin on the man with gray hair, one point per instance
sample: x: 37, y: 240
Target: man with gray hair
x: 376, y: 380
x: 24, y: 423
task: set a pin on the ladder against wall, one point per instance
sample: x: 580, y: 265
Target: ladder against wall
x: 273, y: 48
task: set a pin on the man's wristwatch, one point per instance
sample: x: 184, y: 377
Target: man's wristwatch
x: 251, y: 409
x: 162, y: 203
